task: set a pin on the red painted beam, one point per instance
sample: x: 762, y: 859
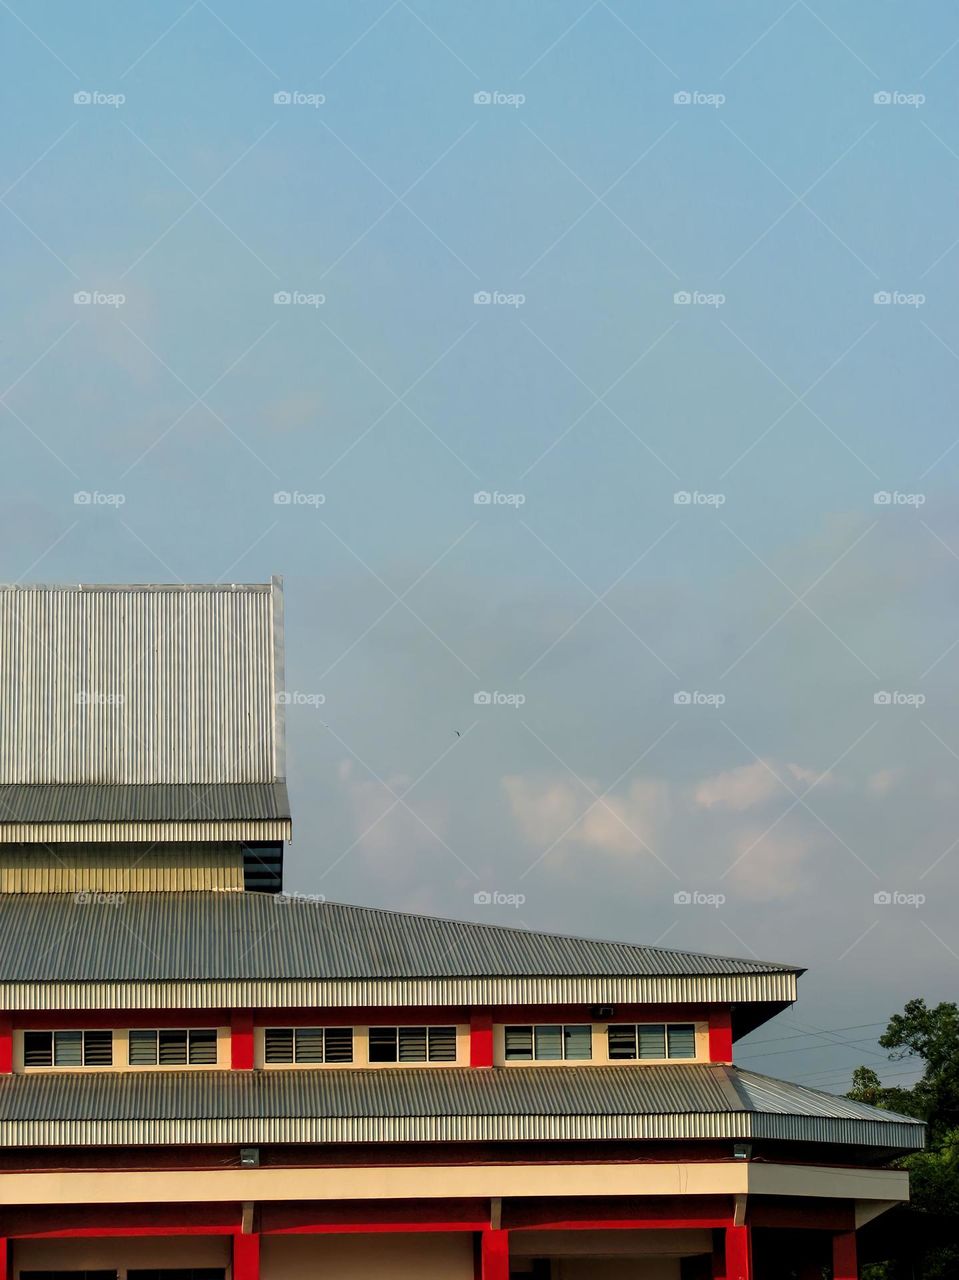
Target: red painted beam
x: 628, y: 1213
x: 739, y: 1254
x: 357, y: 1216
x: 844, y: 1263
x: 6, y: 1046
x: 494, y: 1255
x: 246, y: 1257
x: 241, y: 1040
x: 720, y: 1036
x: 35, y: 1222
x: 481, y: 1038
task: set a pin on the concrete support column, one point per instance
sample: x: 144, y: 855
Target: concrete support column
x: 481, y: 1038
x: 739, y: 1254
x: 494, y: 1255
x: 246, y: 1257
x: 241, y: 1040
x: 844, y: 1264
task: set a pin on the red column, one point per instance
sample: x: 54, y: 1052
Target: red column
x: 241, y: 1040
x: 494, y: 1255
x: 246, y: 1257
x: 481, y: 1038
x: 6, y: 1046
x: 720, y: 1036
x: 739, y: 1254
x: 844, y: 1266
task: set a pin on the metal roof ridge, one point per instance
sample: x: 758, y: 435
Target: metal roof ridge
x: 881, y: 1112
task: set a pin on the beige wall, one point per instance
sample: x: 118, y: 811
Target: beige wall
x: 121, y: 1252
x: 375, y: 1257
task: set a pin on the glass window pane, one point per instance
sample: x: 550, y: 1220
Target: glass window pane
x: 519, y: 1044
x: 442, y: 1042
x: 682, y: 1040
x: 382, y: 1044
x: 98, y: 1048
x: 578, y: 1043
x: 143, y: 1048
x: 548, y: 1041
x: 203, y: 1047
x: 172, y: 1050
x: 68, y: 1048
x: 652, y: 1040
x: 412, y: 1044
x: 622, y: 1041
x: 278, y: 1044
x: 309, y: 1044
x: 38, y: 1048
x: 338, y: 1045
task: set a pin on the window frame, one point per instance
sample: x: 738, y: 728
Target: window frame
x: 666, y: 1024
x: 53, y: 1065
x: 296, y: 1062
x: 157, y: 1065
x: 427, y: 1028
x: 563, y: 1060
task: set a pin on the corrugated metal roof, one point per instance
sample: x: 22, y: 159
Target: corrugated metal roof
x: 161, y: 802
x: 236, y: 937
x: 425, y: 1105
x: 141, y: 684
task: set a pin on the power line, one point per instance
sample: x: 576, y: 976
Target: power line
x: 777, y: 1039
x: 811, y: 1048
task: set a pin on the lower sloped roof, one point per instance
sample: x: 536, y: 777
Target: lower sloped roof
x: 448, y: 1104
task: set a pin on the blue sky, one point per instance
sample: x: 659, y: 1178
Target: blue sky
x: 781, y: 198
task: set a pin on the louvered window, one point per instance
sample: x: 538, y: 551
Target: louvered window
x: 173, y: 1047
x: 67, y: 1048
x: 550, y: 1042
x: 309, y: 1044
x: 653, y: 1041
x: 71, y: 1275
x: 412, y: 1044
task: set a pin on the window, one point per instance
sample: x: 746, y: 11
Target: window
x: 166, y: 1048
x: 68, y: 1048
x: 70, y: 1275
x: 551, y: 1042
x: 652, y: 1041
x: 309, y: 1044
x: 412, y: 1044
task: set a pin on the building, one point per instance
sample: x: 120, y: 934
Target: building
x: 204, y: 1077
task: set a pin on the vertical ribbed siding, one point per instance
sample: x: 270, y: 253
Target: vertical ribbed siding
x: 182, y: 682
x: 127, y: 870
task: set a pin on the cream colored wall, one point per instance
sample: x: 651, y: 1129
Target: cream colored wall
x: 600, y: 1048
x: 383, y: 1257
x: 361, y: 1050
x: 121, y: 1055
x: 121, y: 1252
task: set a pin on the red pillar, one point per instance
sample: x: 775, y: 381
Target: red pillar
x: 481, y: 1038
x: 6, y: 1046
x: 5, y: 1267
x: 739, y: 1254
x: 241, y: 1040
x: 720, y: 1036
x: 246, y: 1257
x: 844, y: 1266
x: 494, y: 1255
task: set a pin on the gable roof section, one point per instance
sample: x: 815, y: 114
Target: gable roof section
x: 203, y: 950
x: 448, y: 1104
x: 120, y: 688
